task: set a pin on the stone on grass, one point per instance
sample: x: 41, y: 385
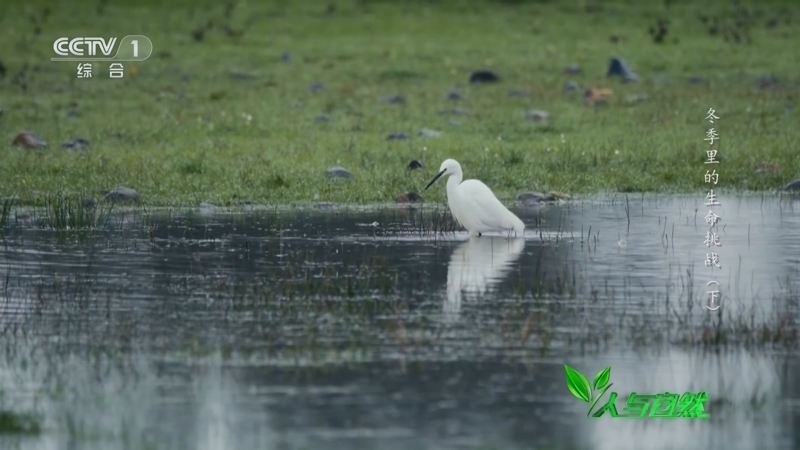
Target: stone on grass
x: 316, y: 86
x: 77, y: 144
x: 537, y: 115
x: 454, y: 95
x: 766, y: 82
x: 409, y: 197
x: 338, y: 172
x: 636, y: 98
x: 618, y: 67
x: 571, y: 86
x: 394, y: 100
x: 456, y: 112
x: 122, y: 194
x: 793, y: 186
x: 323, y: 118
x: 415, y: 164
x: 397, y: 136
x: 286, y: 57
x: 28, y: 140
x: 767, y: 168
x: 428, y: 132
x: 697, y: 79
x: 573, y: 69
x: 595, y: 96
x: 519, y: 93
x: 483, y: 76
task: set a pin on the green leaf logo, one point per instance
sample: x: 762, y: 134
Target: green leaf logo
x: 578, y: 384
x: 601, y: 379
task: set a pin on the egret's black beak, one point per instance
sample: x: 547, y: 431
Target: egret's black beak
x: 438, y: 175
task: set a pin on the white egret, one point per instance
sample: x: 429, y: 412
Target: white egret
x: 474, y: 205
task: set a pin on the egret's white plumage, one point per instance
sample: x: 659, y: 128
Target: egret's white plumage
x: 474, y: 205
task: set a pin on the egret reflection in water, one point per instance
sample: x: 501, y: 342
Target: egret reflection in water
x: 478, y: 264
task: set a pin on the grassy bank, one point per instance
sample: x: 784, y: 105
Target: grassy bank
x: 215, y: 115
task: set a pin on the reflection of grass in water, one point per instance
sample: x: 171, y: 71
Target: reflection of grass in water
x: 17, y: 423
x: 5, y: 212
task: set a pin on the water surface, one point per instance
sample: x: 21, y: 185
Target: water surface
x: 330, y: 328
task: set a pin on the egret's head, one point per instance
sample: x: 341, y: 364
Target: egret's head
x: 448, y: 167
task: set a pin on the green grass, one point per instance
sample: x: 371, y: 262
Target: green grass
x: 181, y: 130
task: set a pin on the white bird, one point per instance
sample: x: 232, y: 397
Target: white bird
x: 474, y: 205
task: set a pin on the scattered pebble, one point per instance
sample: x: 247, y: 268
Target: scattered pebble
x: 573, y: 69
x: 73, y: 113
x: 394, y: 100
x: 241, y: 76
x: 427, y: 132
x: 286, y: 57
x: 635, y: 98
x: 793, y: 186
x: 697, y: 79
x: 415, y: 164
x: 766, y: 82
x: 455, y: 111
x: 571, y: 86
x: 316, y: 86
x: 409, y: 197
x: 454, y: 95
x: 454, y: 123
x: 536, y: 114
x: 519, y: 93
x: 619, y: 68
x: 89, y: 202
x: 767, y: 167
x: 28, y: 140
x: 122, y: 194
x: 530, y: 198
x: 483, y: 76
x: 397, y: 136
x: 77, y: 144
x: 594, y: 96
x: 338, y: 172
x: 323, y: 118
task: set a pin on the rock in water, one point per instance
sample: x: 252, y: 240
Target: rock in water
x: 618, y: 67
x: 122, y: 194
x: 483, y: 76
x: 793, y: 186
x: 409, y: 197
x: 89, y: 202
x: 338, y: 172
x: 532, y: 198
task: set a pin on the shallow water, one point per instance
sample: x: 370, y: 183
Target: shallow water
x: 335, y: 328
